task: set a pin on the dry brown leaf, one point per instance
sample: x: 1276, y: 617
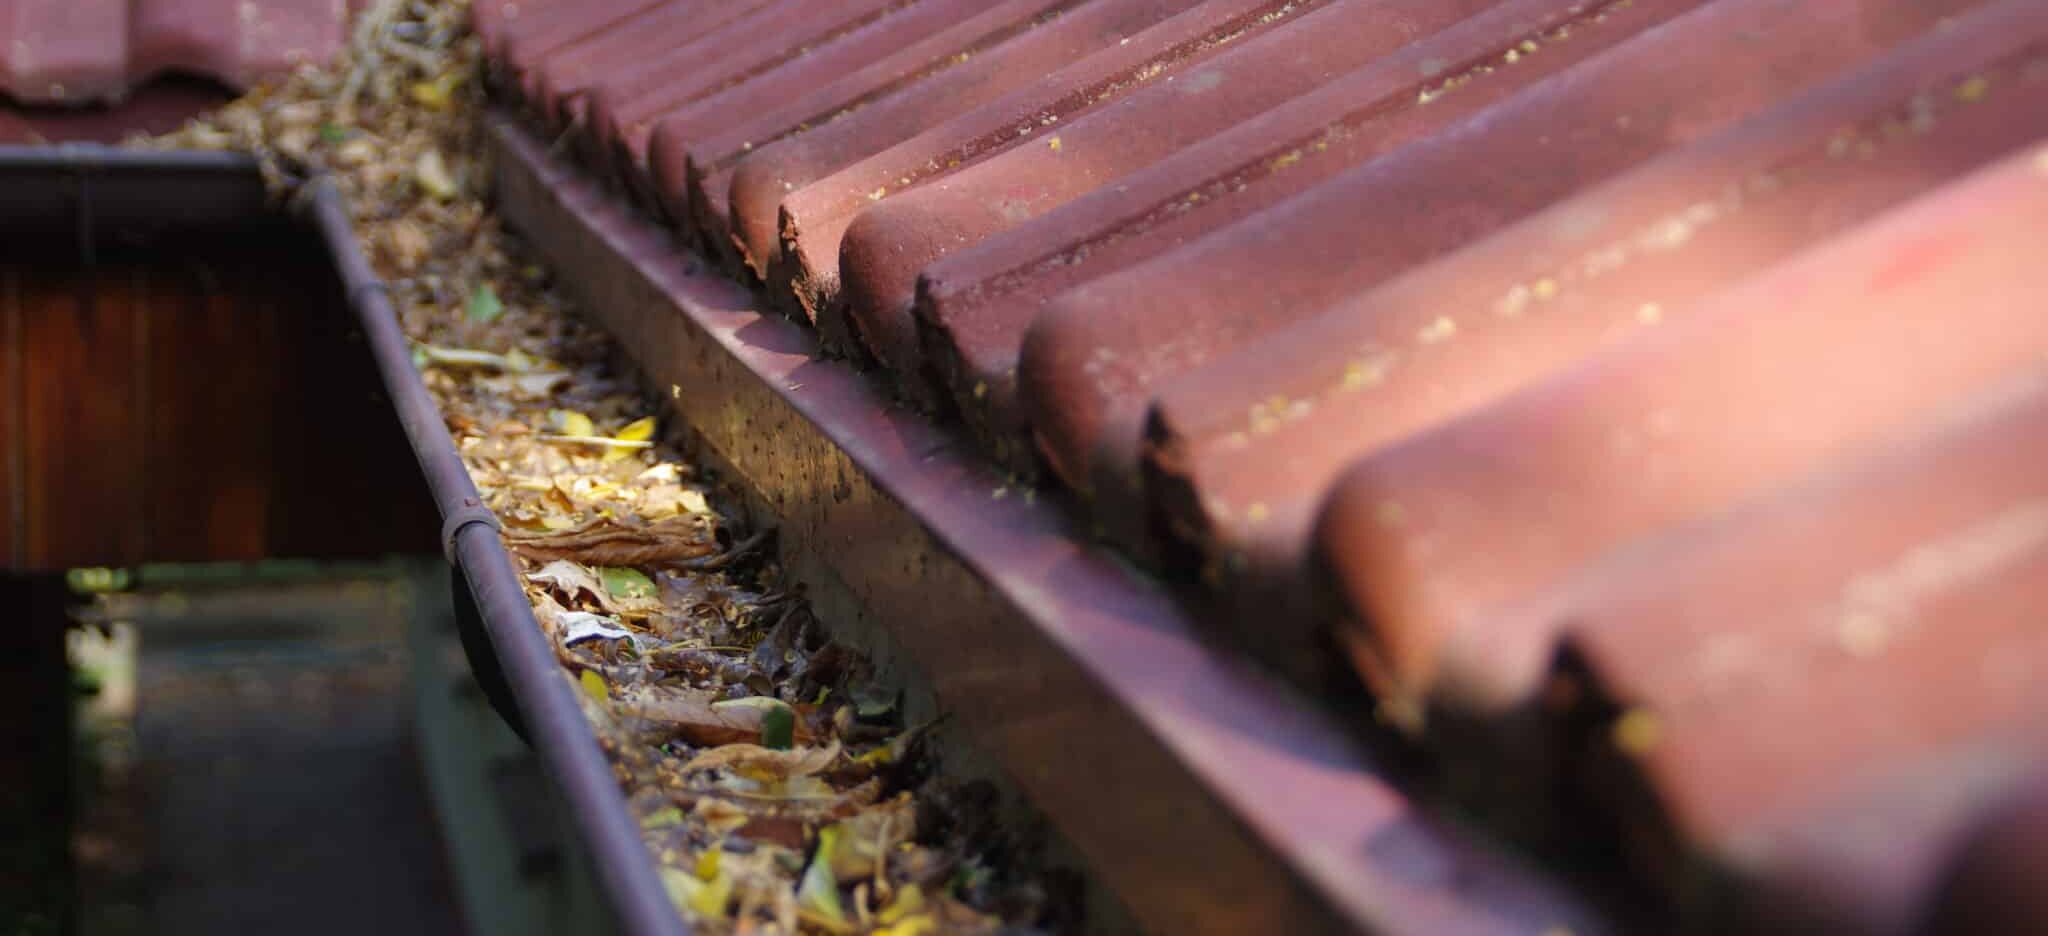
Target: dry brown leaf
x: 753, y: 758
x: 689, y: 715
x: 614, y: 545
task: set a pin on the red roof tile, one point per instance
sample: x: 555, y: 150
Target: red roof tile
x: 1623, y: 328
x: 1241, y: 450
x: 72, y: 52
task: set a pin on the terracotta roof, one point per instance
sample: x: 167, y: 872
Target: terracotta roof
x: 1650, y: 384
x: 72, y: 69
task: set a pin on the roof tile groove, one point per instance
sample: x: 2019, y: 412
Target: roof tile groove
x: 975, y: 305
x: 1653, y: 385
x: 1272, y: 425
x: 1655, y: 433
x: 769, y: 174
x: 887, y: 245
x: 692, y: 155
x: 1092, y: 359
x: 1914, y: 571
x: 814, y: 218
x: 623, y: 106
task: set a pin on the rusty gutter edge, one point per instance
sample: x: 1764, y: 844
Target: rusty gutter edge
x: 552, y: 720
x: 94, y: 191
x: 104, y: 192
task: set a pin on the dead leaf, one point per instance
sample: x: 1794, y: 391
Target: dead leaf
x: 431, y: 173
x: 759, y: 761
x: 693, y: 719
x: 637, y: 431
x: 573, y: 581
x: 612, y: 544
x: 569, y: 422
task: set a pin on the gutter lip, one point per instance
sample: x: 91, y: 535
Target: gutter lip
x: 109, y: 185
x: 548, y: 710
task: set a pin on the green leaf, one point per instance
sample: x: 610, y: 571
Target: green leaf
x: 661, y: 818
x: 626, y: 583
x: 484, y: 305
x: 333, y: 133
x: 778, y: 728
x: 819, y: 890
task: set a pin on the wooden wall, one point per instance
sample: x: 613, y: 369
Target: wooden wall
x: 188, y: 401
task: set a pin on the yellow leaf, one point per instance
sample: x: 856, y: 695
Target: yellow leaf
x: 570, y: 423
x: 594, y: 687
x: 818, y: 892
x: 661, y: 818
x: 909, y: 900
x: 436, y: 94
x: 707, y: 863
x: 699, y: 898
x: 431, y: 172
x: 639, y: 430
x: 920, y: 925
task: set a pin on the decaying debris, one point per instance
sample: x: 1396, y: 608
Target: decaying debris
x: 778, y: 791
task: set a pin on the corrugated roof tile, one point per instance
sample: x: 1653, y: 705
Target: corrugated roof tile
x: 886, y: 247
x: 815, y: 218
x: 692, y: 155
x: 975, y: 305
x: 1093, y: 359
x: 1272, y: 424
x: 1440, y: 546
x: 1466, y: 334
x: 768, y: 175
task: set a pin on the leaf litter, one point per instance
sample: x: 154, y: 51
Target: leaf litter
x: 776, y: 785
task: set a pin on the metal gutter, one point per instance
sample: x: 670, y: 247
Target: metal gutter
x: 104, y: 193
x: 548, y: 712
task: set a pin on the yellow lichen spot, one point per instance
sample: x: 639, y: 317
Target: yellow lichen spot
x: 1973, y: 89
x: 1650, y: 313
x: 1863, y: 634
x: 1053, y: 144
x: 1512, y: 56
x: 1278, y: 163
x: 1512, y: 304
x: 877, y: 194
x: 1545, y: 289
x: 1441, y: 329
x: 1364, y: 373
x: 1257, y: 512
x: 1637, y: 731
x: 980, y: 389
x: 1528, y: 47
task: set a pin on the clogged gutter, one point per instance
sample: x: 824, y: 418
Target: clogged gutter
x: 778, y: 791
